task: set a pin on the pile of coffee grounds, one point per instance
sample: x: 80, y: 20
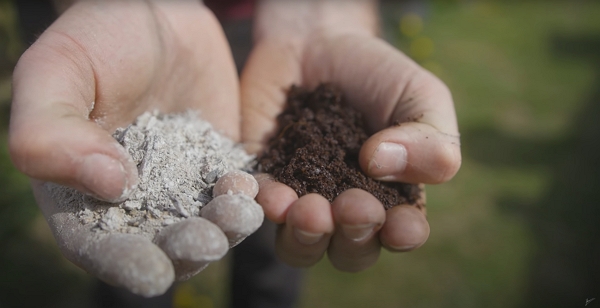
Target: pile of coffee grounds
x: 316, y: 150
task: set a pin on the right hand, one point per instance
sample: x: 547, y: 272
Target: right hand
x: 98, y: 67
x: 312, y: 42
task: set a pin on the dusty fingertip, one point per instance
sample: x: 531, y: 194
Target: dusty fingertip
x: 111, y: 178
x: 132, y: 262
x: 237, y: 215
x: 236, y: 182
x: 192, y: 244
x: 106, y: 178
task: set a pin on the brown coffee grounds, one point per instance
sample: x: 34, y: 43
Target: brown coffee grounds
x: 316, y: 150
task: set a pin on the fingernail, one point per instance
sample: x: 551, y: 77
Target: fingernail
x: 358, y: 233
x: 106, y: 178
x: 307, y: 238
x: 389, y: 159
x: 403, y: 248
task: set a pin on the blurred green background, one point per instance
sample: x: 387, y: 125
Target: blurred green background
x: 517, y: 227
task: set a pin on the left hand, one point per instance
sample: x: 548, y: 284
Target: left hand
x: 340, y: 47
x: 99, y: 66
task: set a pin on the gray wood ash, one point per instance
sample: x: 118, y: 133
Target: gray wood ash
x: 179, y: 159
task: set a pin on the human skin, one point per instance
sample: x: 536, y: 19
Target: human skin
x: 328, y: 41
x: 98, y: 67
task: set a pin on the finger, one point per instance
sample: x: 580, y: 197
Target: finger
x: 270, y: 70
x: 124, y: 260
x: 358, y: 217
x: 192, y: 244
x: 411, y: 153
x: 275, y: 198
x: 406, y: 228
x: 132, y: 262
x: 236, y: 215
x: 304, y: 238
x: 236, y: 182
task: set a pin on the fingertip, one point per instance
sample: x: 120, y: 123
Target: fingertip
x: 406, y: 228
x: 236, y: 182
x: 303, y: 240
x: 192, y: 244
x: 106, y: 178
x: 133, y: 262
x: 237, y: 216
x: 311, y: 214
x: 274, y: 197
x: 356, y: 206
x: 359, y: 216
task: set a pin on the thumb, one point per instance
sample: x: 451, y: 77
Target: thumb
x: 416, y: 137
x: 411, y: 152
x: 51, y: 137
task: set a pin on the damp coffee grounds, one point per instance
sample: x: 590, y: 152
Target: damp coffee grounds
x: 316, y: 147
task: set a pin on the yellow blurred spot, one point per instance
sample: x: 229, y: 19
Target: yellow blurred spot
x: 187, y: 297
x: 411, y: 25
x: 421, y: 48
x: 433, y: 67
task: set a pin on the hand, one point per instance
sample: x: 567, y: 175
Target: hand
x: 335, y: 42
x: 99, y: 66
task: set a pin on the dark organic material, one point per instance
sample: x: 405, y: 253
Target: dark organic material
x: 316, y: 150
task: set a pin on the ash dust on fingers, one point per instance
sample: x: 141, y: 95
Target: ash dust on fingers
x: 182, y: 162
x: 228, y: 211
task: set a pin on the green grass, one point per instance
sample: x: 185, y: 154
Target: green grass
x: 515, y: 228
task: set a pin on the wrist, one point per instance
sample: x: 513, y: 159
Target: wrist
x: 297, y: 20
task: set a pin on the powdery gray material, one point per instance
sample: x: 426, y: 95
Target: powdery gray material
x: 179, y: 159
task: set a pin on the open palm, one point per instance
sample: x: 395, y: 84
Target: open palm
x: 387, y: 87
